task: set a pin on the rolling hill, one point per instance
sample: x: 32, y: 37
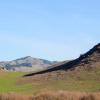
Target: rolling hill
x: 26, y: 64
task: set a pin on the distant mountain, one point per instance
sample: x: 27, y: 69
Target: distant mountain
x: 26, y: 64
x: 90, y: 61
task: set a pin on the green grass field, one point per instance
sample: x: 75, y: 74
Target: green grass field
x: 83, y: 81
x: 8, y: 83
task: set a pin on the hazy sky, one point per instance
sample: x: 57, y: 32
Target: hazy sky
x: 49, y: 29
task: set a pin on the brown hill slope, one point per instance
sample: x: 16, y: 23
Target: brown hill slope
x: 81, y: 74
x: 87, y: 61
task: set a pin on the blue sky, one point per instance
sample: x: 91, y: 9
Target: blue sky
x: 48, y: 29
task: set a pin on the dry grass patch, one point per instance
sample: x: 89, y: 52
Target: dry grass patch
x: 13, y: 96
x: 67, y: 96
x: 61, y: 95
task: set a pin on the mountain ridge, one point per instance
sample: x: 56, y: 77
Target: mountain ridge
x: 27, y: 63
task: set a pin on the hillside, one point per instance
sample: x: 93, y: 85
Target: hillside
x: 26, y: 64
x: 81, y: 74
x: 87, y: 61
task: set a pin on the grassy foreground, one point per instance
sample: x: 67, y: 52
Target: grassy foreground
x: 8, y: 83
x: 81, y: 85
x: 82, y: 82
